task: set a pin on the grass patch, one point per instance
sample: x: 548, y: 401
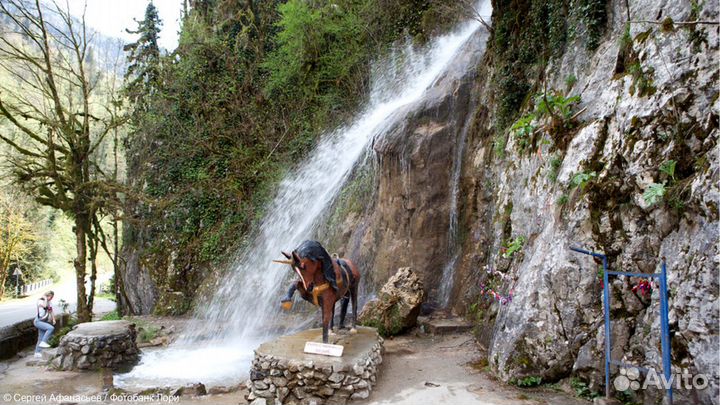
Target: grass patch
x: 111, y: 316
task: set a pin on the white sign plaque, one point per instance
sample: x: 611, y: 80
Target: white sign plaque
x: 325, y: 349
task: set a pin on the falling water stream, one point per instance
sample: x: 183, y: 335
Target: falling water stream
x: 447, y: 280
x: 244, y: 311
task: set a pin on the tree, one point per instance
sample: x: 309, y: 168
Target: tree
x: 16, y: 236
x: 143, y: 72
x: 59, y: 124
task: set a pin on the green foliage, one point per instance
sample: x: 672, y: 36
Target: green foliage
x: 696, y: 35
x: 143, y: 71
x: 526, y: 36
x: 388, y: 325
x: 555, y: 164
x: 562, y: 200
x: 499, y: 144
x: 582, y: 390
x: 570, y: 81
x: 523, y: 130
x: 147, y: 333
x: 239, y: 102
x: 513, y: 246
x: 594, y: 16
x: 668, y: 167
x: 654, y: 193
x: 111, y: 316
x: 318, y: 47
x: 581, y: 180
x: 526, y: 382
x: 59, y: 333
x: 642, y: 80
x: 554, y: 104
x: 626, y: 397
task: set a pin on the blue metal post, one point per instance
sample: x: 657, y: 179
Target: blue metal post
x: 665, y: 330
x: 608, y: 355
x: 664, y: 322
x: 606, y: 305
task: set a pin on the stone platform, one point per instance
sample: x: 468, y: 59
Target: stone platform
x: 444, y: 325
x: 282, y: 373
x: 96, y: 345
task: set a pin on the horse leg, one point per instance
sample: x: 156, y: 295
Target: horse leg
x: 332, y: 321
x: 343, y: 310
x: 327, y: 306
x: 290, y: 293
x: 354, y: 297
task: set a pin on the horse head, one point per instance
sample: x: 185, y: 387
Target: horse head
x: 309, y: 260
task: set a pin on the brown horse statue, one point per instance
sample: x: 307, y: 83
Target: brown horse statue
x: 323, y: 281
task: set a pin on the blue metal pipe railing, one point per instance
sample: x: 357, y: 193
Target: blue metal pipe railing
x: 664, y: 321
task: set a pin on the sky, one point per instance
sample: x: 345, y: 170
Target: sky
x: 112, y: 17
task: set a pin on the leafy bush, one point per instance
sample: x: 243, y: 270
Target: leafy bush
x: 513, y: 246
x: 317, y: 48
x: 642, y: 79
x: 654, y: 193
x: 594, y: 15
x: 59, y: 333
x: 581, y: 180
x: 526, y: 382
x: 523, y: 130
x: 554, y: 104
x: 668, y: 167
x: 582, y: 390
x: 555, y: 164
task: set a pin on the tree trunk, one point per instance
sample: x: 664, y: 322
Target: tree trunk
x: 117, y: 281
x: 93, y: 244
x: 82, y: 224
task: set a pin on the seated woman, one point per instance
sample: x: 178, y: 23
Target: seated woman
x: 44, y: 321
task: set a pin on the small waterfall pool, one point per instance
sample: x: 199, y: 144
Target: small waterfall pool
x: 216, y: 349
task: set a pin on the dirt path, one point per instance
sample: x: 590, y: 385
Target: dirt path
x: 445, y: 370
x: 420, y: 369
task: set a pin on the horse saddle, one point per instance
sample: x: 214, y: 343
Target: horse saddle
x: 343, y: 275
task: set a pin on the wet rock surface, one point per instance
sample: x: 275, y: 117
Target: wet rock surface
x: 282, y: 373
x: 398, y: 305
x: 97, y: 345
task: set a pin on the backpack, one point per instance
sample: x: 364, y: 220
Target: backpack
x: 46, y: 310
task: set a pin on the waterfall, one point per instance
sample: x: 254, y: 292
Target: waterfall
x: 245, y: 309
x: 448, y: 280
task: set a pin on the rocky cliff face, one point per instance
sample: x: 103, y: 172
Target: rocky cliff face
x: 649, y: 97
x: 398, y: 207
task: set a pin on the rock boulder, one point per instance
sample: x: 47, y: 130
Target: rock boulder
x: 398, y: 305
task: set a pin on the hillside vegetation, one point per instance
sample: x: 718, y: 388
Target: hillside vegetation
x: 241, y: 100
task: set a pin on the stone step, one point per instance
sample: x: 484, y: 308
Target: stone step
x: 444, y: 326
x: 49, y: 354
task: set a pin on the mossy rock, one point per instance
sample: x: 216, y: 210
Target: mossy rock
x: 171, y: 303
x: 398, y: 305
